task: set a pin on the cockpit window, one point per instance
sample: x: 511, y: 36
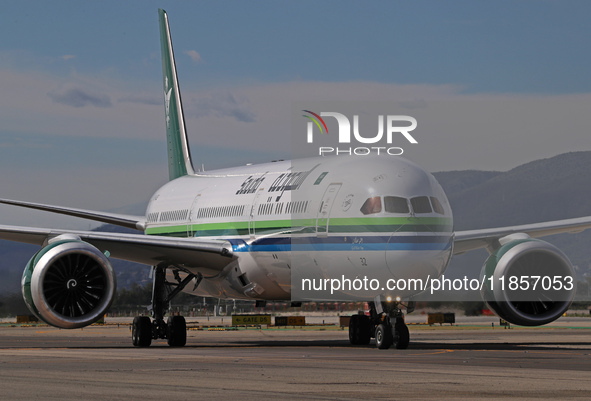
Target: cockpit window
x: 396, y: 204
x: 421, y: 204
x: 372, y: 205
x: 437, y: 207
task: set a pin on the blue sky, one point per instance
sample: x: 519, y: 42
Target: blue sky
x: 527, y: 46
x: 495, y: 85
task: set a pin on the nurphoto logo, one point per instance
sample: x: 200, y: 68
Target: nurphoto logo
x: 396, y: 126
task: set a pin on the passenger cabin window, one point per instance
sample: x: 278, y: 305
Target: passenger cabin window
x: 396, y: 204
x: 421, y: 204
x: 437, y: 207
x: 372, y: 205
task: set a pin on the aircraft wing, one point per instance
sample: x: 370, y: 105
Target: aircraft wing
x: 209, y: 256
x: 123, y: 220
x: 473, y: 239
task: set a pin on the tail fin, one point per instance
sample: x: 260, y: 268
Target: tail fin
x: 179, y: 155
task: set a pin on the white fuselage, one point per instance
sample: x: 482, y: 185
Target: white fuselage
x: 378, y: 217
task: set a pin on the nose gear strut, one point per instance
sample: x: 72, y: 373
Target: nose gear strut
x: 385, y: 323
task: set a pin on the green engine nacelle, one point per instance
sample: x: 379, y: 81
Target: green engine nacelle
x: 69, y: 283
x: 528, y: 281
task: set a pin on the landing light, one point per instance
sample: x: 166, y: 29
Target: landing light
x: 389, y: 299
x: 398, y: 299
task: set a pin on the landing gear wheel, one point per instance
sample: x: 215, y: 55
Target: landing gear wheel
x: 401, y: 336
x: 354, y: 330
x: 176, y: 331
x: 141, y: 331
x: 383, y: 336
x: 359, y: 330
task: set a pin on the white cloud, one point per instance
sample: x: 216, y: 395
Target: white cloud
x: 196, y: 57
x: 67, y: 57
x: 79, y: 97
x: 455, y: 130
x: 142, y: 98
x: 220, y: 104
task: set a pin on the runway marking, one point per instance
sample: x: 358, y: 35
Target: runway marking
x: 443, y: 351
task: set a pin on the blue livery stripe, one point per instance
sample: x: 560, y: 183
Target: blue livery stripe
x: 364, y: 243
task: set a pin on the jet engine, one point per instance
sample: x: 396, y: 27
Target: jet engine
x: 68, y: 283
x: 527, y: 281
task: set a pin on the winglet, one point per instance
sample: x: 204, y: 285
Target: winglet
x: 179, y: 155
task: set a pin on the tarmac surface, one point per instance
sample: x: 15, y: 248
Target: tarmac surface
x: 466, y: 361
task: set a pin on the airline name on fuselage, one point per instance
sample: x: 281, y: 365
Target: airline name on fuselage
x: 284, y: 182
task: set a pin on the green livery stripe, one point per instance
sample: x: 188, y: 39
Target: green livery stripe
x: 337, y: 225
x: 239, y: 225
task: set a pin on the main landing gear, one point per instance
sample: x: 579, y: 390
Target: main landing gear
x: 144, y: 329
x: 385, y: 323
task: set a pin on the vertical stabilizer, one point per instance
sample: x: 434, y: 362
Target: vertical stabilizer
x: 179, y: 156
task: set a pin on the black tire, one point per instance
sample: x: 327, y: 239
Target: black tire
x: 383, y: 336
x: 141, y: 331
x: 364, y: 330
x: 354, y: 332
x: 401, y: 336
x: 359, y: 330
x: 176, y: 331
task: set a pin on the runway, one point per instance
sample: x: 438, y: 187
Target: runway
x: 464, y: 362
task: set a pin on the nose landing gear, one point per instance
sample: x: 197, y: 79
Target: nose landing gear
x: 385, y: 323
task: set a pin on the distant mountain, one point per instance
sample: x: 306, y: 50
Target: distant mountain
x: 454, y: 182
x: 548, y: 189
x: 13, y: 259
x: 14, y: 256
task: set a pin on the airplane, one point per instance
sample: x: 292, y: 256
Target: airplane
x: 250, y: 232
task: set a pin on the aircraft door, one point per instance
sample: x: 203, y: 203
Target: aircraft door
x: 323, y: 216
x: 193, y: 216
x: 253, y: 212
